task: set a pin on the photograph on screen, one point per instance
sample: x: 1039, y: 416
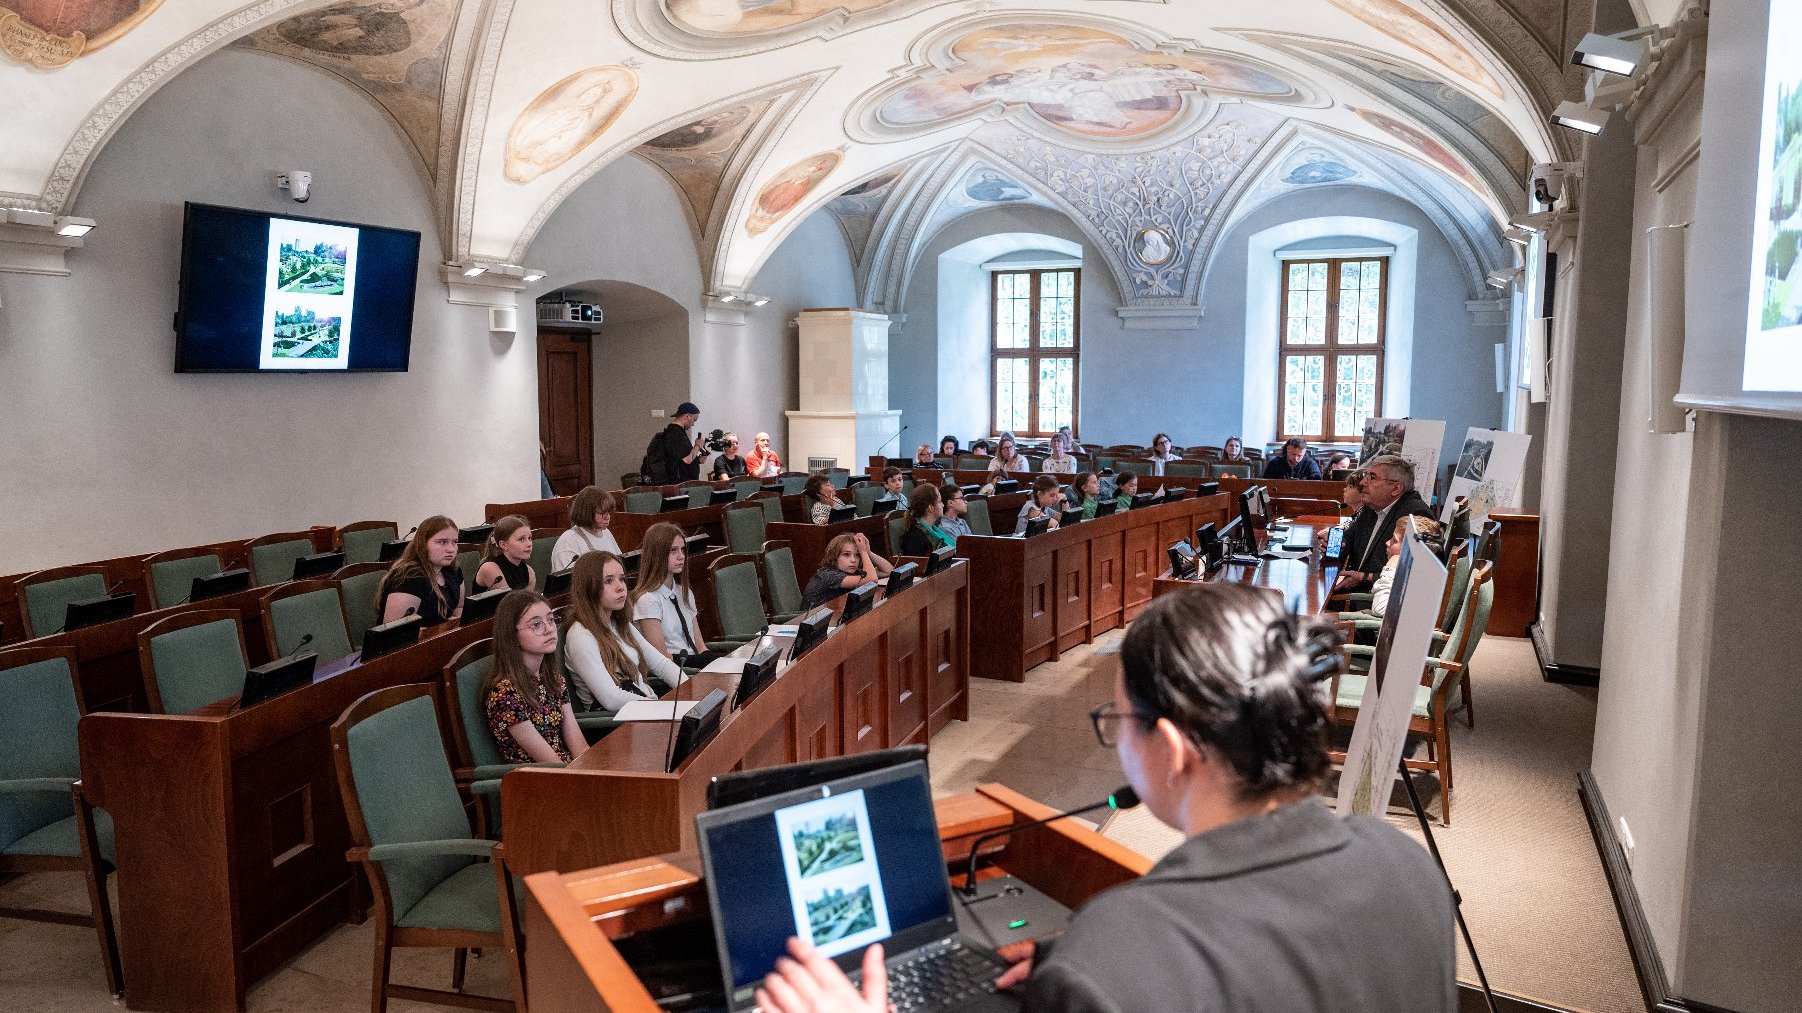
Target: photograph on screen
x: 1774, y: 324
x: 308, y: 292
x: 834, y: 880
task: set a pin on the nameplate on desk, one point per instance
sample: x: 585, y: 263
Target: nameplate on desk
x: 654, y: 710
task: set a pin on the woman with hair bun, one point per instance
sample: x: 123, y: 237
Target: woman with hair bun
x: 1272, y: 902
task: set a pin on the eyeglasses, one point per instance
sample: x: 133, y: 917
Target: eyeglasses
x: 539, y: 625
x: 1107, y: 717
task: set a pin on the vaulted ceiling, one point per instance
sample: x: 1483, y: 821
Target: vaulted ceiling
x: 1173, y: 116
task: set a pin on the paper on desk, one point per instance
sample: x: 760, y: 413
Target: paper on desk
x: 725, y: 666
x: 654, y: 710
x: 785, y: 630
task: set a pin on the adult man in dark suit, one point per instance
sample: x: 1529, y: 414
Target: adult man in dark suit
x: 1388, y: 495
x: 1294, y: 462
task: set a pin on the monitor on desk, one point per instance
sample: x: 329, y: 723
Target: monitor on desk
x: 727, y: 495
x: 1107, y: 507
x: 478, y: 607
x: 1037, y: 526
x: 1006, y: 485
x: 630, y: 561
x: 858, y: 601
x: 556, y: 582
x: 266, y: 682
x: 1070, y: 516
x: 810, y: 632
x: 1182, y: 560
x: 671, y: 504
x: 700, y: 724
x: 841, y: 514
x: 317, y: 564
x: 94, y: 611
x: 759, y: 672
x: 1207, y: 489
x: 751, y: 785
x: 1233, y: 534
x: 390, y: 551
x: 900, y: 578
x: 1208, y: 550
x: 884, y: 505
x: 695, y: 544
x: 213, y: 585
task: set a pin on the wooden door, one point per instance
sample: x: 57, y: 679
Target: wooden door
x: 566, y: 407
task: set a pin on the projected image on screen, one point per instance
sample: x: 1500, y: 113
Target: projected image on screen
x: 308, y: 295
x: 1774, y: 325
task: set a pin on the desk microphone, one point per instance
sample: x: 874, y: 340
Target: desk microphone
x: 883, y: 450
x: 1122, y: 799
x: 675, y: 718
x: 304, y: 641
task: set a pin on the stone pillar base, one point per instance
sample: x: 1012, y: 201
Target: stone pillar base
x: 850, y: 437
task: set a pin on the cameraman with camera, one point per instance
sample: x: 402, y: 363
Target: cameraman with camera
x: 671, y: 457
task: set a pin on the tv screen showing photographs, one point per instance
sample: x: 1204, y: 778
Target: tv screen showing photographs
x: 282, y: 293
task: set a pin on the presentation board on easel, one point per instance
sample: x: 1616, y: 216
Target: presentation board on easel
x: 1489, y: 473
x: 1381, y: 728
x: 1417, y: 441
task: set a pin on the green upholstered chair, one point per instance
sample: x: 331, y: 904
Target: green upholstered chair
x: 772, y: 510
x: 745, y: 528
x: 972, y: 462
x: 362, y: 541
x: 192, y: 659
x: 475, y: 755
x: 540, y: 560
x: 1489, y: 541
x: 46, y: 824
x: 644, y: 501
x: 409, y: 829
x: 747, y: 487
x: 897, y: 523
x: 357, y: 585
x: 46, y: 595
x: 469, y: 560
x: 785, y: 587
x: 738, y: 596
x: 1186, y: 469
x: 1104, y: 462
x: 792, y: 484
x: 171, y: 574
x: 272, y: 556
x: 865, y: 495
x: 302, y: 608
x: 1222, y: 469
x: 1125, y: 466
x: 977, y: 515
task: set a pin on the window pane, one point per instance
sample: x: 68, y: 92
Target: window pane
x: 1013, y: 310
x: 1057, y: 393
x: 1057, y: 309
x: 1304, y: 391
x: 1012, y: 388
x: 1317, y: 277
x: 1355, y: 392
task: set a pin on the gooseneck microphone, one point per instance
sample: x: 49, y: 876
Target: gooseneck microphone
x: 1121, y: 800
x: 883, y: 450
x: 304, y: 641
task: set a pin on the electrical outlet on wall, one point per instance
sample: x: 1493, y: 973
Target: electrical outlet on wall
x: 656, y: 413
x: 1626, y: 841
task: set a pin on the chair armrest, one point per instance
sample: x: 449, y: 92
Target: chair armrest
x: 1355, y: 599
x: 494, y: 771
x: 490, y: 788
x: 59, y: 785
x: 472, y: 846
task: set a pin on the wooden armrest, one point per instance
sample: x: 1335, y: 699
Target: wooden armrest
x: 473, y: 846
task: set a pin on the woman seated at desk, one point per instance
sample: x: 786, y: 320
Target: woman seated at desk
x: 525, y: 695
x: 610, y: 662
x: 923, y: 458
x: 1220, y: 723
x: 424, y: 580
x: 847, y: 563
x: 1007, y: 460
x: 821, y: 497
x: 590, y: 517
x: 1160, y: 453
x: 1047, y: 501
x: 504, y: 556
x: 663, y: 606
x: 1059, y: 461
x: 922, y: 532
x: 1085, y: 490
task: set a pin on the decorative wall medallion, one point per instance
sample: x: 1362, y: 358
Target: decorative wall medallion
x: 52, y: 33
x: 567, y: 117
x: 789, y: 188
x: 1406, y: 25
x: 1153, y: 247
x: 986, y: 186
x: 1083, y: 81
x: 1319, y: 167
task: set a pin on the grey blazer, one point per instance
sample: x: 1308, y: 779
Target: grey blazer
x: 1294, y: 911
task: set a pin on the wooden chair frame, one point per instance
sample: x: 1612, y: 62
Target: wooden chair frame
x: 280, y: 536
x: 387, y: 934
x: 450, y: 707
x: 44, y: 576
x: 338, y: 536
x: 88, y: 863
x: 153, y: 693
x: 289, y: 590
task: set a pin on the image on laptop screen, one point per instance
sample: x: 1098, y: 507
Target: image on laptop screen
x: 843, y: 864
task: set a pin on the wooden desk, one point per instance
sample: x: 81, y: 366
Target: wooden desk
x: 1516, y: 575
x: 1300, y: 582
x: 230, y: 832
x: 807, y: 542
x: 891, y: 677
x: 573, y: 919
x: 1035, y: 598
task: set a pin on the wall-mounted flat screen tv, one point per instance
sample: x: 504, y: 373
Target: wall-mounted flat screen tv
x: 263, y: 293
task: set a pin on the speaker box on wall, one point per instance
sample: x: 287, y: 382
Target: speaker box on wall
x: 1666, y: 275
x: 503, y: 319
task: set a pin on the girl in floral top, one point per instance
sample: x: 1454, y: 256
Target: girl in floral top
x: 525, y: 695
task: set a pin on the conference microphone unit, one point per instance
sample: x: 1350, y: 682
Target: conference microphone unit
x: 882, y: 451
x: 1004, y: 910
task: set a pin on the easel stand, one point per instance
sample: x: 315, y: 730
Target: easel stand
x: 1426, y: 828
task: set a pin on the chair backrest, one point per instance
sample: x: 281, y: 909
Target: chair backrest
x: 972, y: 462
x: 1457, y: 586
x: 745, y: 527
x: 793, y: 484
x: 1134, y: 467
x: 978, y: 516
x: 461, y: 684
x: 1489, y: 541
x: 1473, y: 621
x: 47, y: 595
x: 897, y: 523
x: 357, y: 584
x: 1221, y: 469
x: 1186, y: 469
x: 738, y: 596
x: 1103, y: 462
x: 43, y: 709
x: 747, y: 487
x: 644, y: 501
x: 469, y: 560
x: 865, y: 495
x: 779, y: 573
x: 272, y: 561
x: 362, y: 541
x: 192, y: 659
x: 540, y: 560
x: 841, y: 477
x: 398, y: 787
x: 307, y: 607
x: 171, y: 580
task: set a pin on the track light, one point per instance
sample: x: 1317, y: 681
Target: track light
x: 1623, y: 53
x: 762, y: 300
x: 1581, y: 116
x: 474, y: 271
x: 533, y: 275
x: 729, y: 297
x: 74, y: 227
x: 1502, y: 279
x: 1517, y: 235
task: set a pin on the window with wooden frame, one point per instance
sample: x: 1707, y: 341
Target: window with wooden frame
x: 1033, y: 349
x: 1330, y: 359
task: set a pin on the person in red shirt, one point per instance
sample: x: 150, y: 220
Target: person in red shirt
x: 762, y: 461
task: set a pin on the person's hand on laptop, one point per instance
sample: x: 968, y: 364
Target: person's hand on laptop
x: 807, y: 982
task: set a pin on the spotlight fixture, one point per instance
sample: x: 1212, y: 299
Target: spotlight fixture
x: 729, y: 297
x: 26, y: 216
x: 532, y: 275
x: 1581, y: 116
x: 74, y: 227
x: 1502, y: 279
x: 1624, y: 53
x: 1517, y: 235
x: 474, y: 270
x: 761, y: 300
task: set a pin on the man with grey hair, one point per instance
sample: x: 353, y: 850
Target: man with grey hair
x: 1388, y: 496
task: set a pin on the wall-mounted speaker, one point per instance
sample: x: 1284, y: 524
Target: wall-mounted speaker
x: 1666, y: 246
x: 503, y: 319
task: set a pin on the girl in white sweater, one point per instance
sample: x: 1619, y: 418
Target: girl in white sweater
x: 610, y: 663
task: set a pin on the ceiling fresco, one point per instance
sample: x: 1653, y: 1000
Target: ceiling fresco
x: 52, y: 33
x: 695, y: 155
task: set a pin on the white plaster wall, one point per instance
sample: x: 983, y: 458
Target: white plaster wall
x: 107, y: 451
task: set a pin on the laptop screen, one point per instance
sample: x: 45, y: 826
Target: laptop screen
x: 844, y: 864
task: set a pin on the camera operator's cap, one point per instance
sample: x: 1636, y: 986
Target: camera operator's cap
x: 687, y: 408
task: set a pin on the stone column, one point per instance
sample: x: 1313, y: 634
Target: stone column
x: 844, y: 411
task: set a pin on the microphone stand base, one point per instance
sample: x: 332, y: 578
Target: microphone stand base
x: 1004, y: 911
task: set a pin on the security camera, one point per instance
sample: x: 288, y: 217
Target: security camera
x: 1550, y: 178
x: 298, y: 183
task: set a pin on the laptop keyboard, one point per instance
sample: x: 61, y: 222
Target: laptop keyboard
x: 940, y: 976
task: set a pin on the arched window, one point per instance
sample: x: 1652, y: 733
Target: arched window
x: 1330, y: 346
x: 1033, y: 349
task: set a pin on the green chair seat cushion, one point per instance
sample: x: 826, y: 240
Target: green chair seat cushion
x: 320, y: 613
x: 198, y: 665
x: 364, y: 545
x: 740, y: 601
x: 62, y: 839
x: 467, y: 899
x: 1351, y: 693
x: 359, y: 603
x: 405, y: 788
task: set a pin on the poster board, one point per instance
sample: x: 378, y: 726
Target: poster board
x: 1488, y: 475
x: 1418, y: 441
x: 1381, y: 728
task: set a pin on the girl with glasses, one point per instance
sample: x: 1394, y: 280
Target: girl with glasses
x: 525, y: 695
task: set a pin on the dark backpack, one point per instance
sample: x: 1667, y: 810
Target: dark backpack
x: 654, y: 467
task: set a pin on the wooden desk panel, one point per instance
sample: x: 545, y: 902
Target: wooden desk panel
x: 629, y: 529
x: 861, y: 689
x: 1516, y: 575
x: 807, y: 542
x: 1107, y: 582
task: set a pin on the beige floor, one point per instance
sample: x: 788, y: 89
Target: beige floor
x: 1518, y: 848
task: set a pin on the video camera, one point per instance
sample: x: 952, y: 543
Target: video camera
x: 715, y: 441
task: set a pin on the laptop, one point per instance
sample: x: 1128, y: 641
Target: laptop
x: 844, y: 864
